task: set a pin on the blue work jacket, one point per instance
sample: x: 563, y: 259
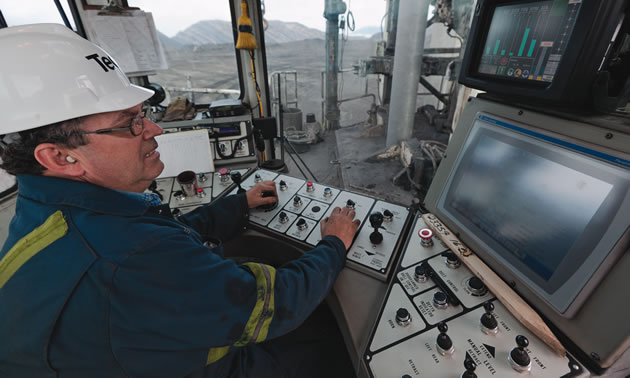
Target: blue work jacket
x: 96, y: 282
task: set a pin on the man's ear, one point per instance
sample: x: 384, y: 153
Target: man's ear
x: 58, y: 161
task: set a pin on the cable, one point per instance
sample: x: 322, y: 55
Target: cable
x: 448, y: 32
x: 257, y: 88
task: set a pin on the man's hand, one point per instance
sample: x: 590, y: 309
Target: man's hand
x: 255, y: 195
x: 341, y: 223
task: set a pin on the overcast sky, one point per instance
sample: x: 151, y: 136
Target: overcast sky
x: 172, y: 16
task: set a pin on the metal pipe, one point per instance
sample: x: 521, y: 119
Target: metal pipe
x: 332, y: 10
x: 412, y: 22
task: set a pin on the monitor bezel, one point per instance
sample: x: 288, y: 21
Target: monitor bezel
x: 572, y: 82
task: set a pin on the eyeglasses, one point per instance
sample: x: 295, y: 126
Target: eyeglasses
x: 136, y: 127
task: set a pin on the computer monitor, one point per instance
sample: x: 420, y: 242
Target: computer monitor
x: 549, y: 210
x: 541, y: 51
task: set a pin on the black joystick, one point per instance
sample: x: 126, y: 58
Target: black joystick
x: 518, y: 356
x: 470, y: 367
x: 350, y: 204
x: 488, y: 321
x: 376, y: 220
x: 269, y: 206
x: 236, y: 178
x: 444, y: 342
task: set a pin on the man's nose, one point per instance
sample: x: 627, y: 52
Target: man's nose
x: 151, y: 129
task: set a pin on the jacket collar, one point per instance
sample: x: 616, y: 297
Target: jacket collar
x: 64, y: 192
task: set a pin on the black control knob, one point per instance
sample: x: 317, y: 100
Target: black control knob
x: 420, y: 273
x: 350, y: 204
x: 470, y: 367
x: 236, y: 178
x: 403, y: 317
x: 297, y: 201
x: 444, y: 342
x: 257, y: 178
x: 301, y: 224
x: 328, y: 192
x: 269, y: 206
x: 176, y: 213
x: 476, y: 287
x: 388, y: 215
x: 519, y: 359
x: 283, y: 217
x: 376, y: 220
x: 451, y: 260
x: 440, y: 300
x: 203, y: 177
x: 489, y: 323
x: 283, y: 186
x: 179, y: 195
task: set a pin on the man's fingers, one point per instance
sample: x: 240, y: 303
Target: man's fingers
x: 336, y: 211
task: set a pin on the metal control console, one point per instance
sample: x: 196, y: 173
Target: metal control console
x: 437, y: 317
x: 302, y: 205
x: 212, y: 184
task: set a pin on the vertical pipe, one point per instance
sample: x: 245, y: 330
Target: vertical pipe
x: 390, y: 47
x: 332, y: 50
x: 412, y: 23
x: 332, y: 10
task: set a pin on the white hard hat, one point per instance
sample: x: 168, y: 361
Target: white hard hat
x: 50, y: 74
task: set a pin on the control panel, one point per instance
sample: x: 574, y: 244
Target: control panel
x: 206, y: 187
x: 302, y: 205
x: 231, y: 138
x: 439, y: 320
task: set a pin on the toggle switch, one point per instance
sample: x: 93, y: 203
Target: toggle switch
x: 518, y: 357
x: 443, y: 342
x: 489, y: 324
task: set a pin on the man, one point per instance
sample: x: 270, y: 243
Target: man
x: 97, y: 279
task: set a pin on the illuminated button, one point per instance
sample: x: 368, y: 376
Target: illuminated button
x: 302, y: 225
x: 283, y: 218
x: 283, y: 186
x: 200, y: 192
x: 476, y: 287
x: 350, y: 204
x: 224, y: 174
x: 440, y: 300
x: 327, y: 192
x: 297, y: 201
x: 420, y: 274
x: 257, y: 178
x: 310, y: 187
x: 451, y: 260
x: 388, y: 216
x: 426, y: 237
x: 203, y: 177
x: 403, y: 318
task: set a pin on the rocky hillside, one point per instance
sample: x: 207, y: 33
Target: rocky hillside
x: 216, y: 32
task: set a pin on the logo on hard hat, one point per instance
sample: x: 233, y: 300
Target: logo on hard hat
x: 105, y: 62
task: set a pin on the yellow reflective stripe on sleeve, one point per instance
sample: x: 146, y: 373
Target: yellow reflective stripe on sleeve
x: 257, y: 326
x: 216, y: 353
x: 31, y: 244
